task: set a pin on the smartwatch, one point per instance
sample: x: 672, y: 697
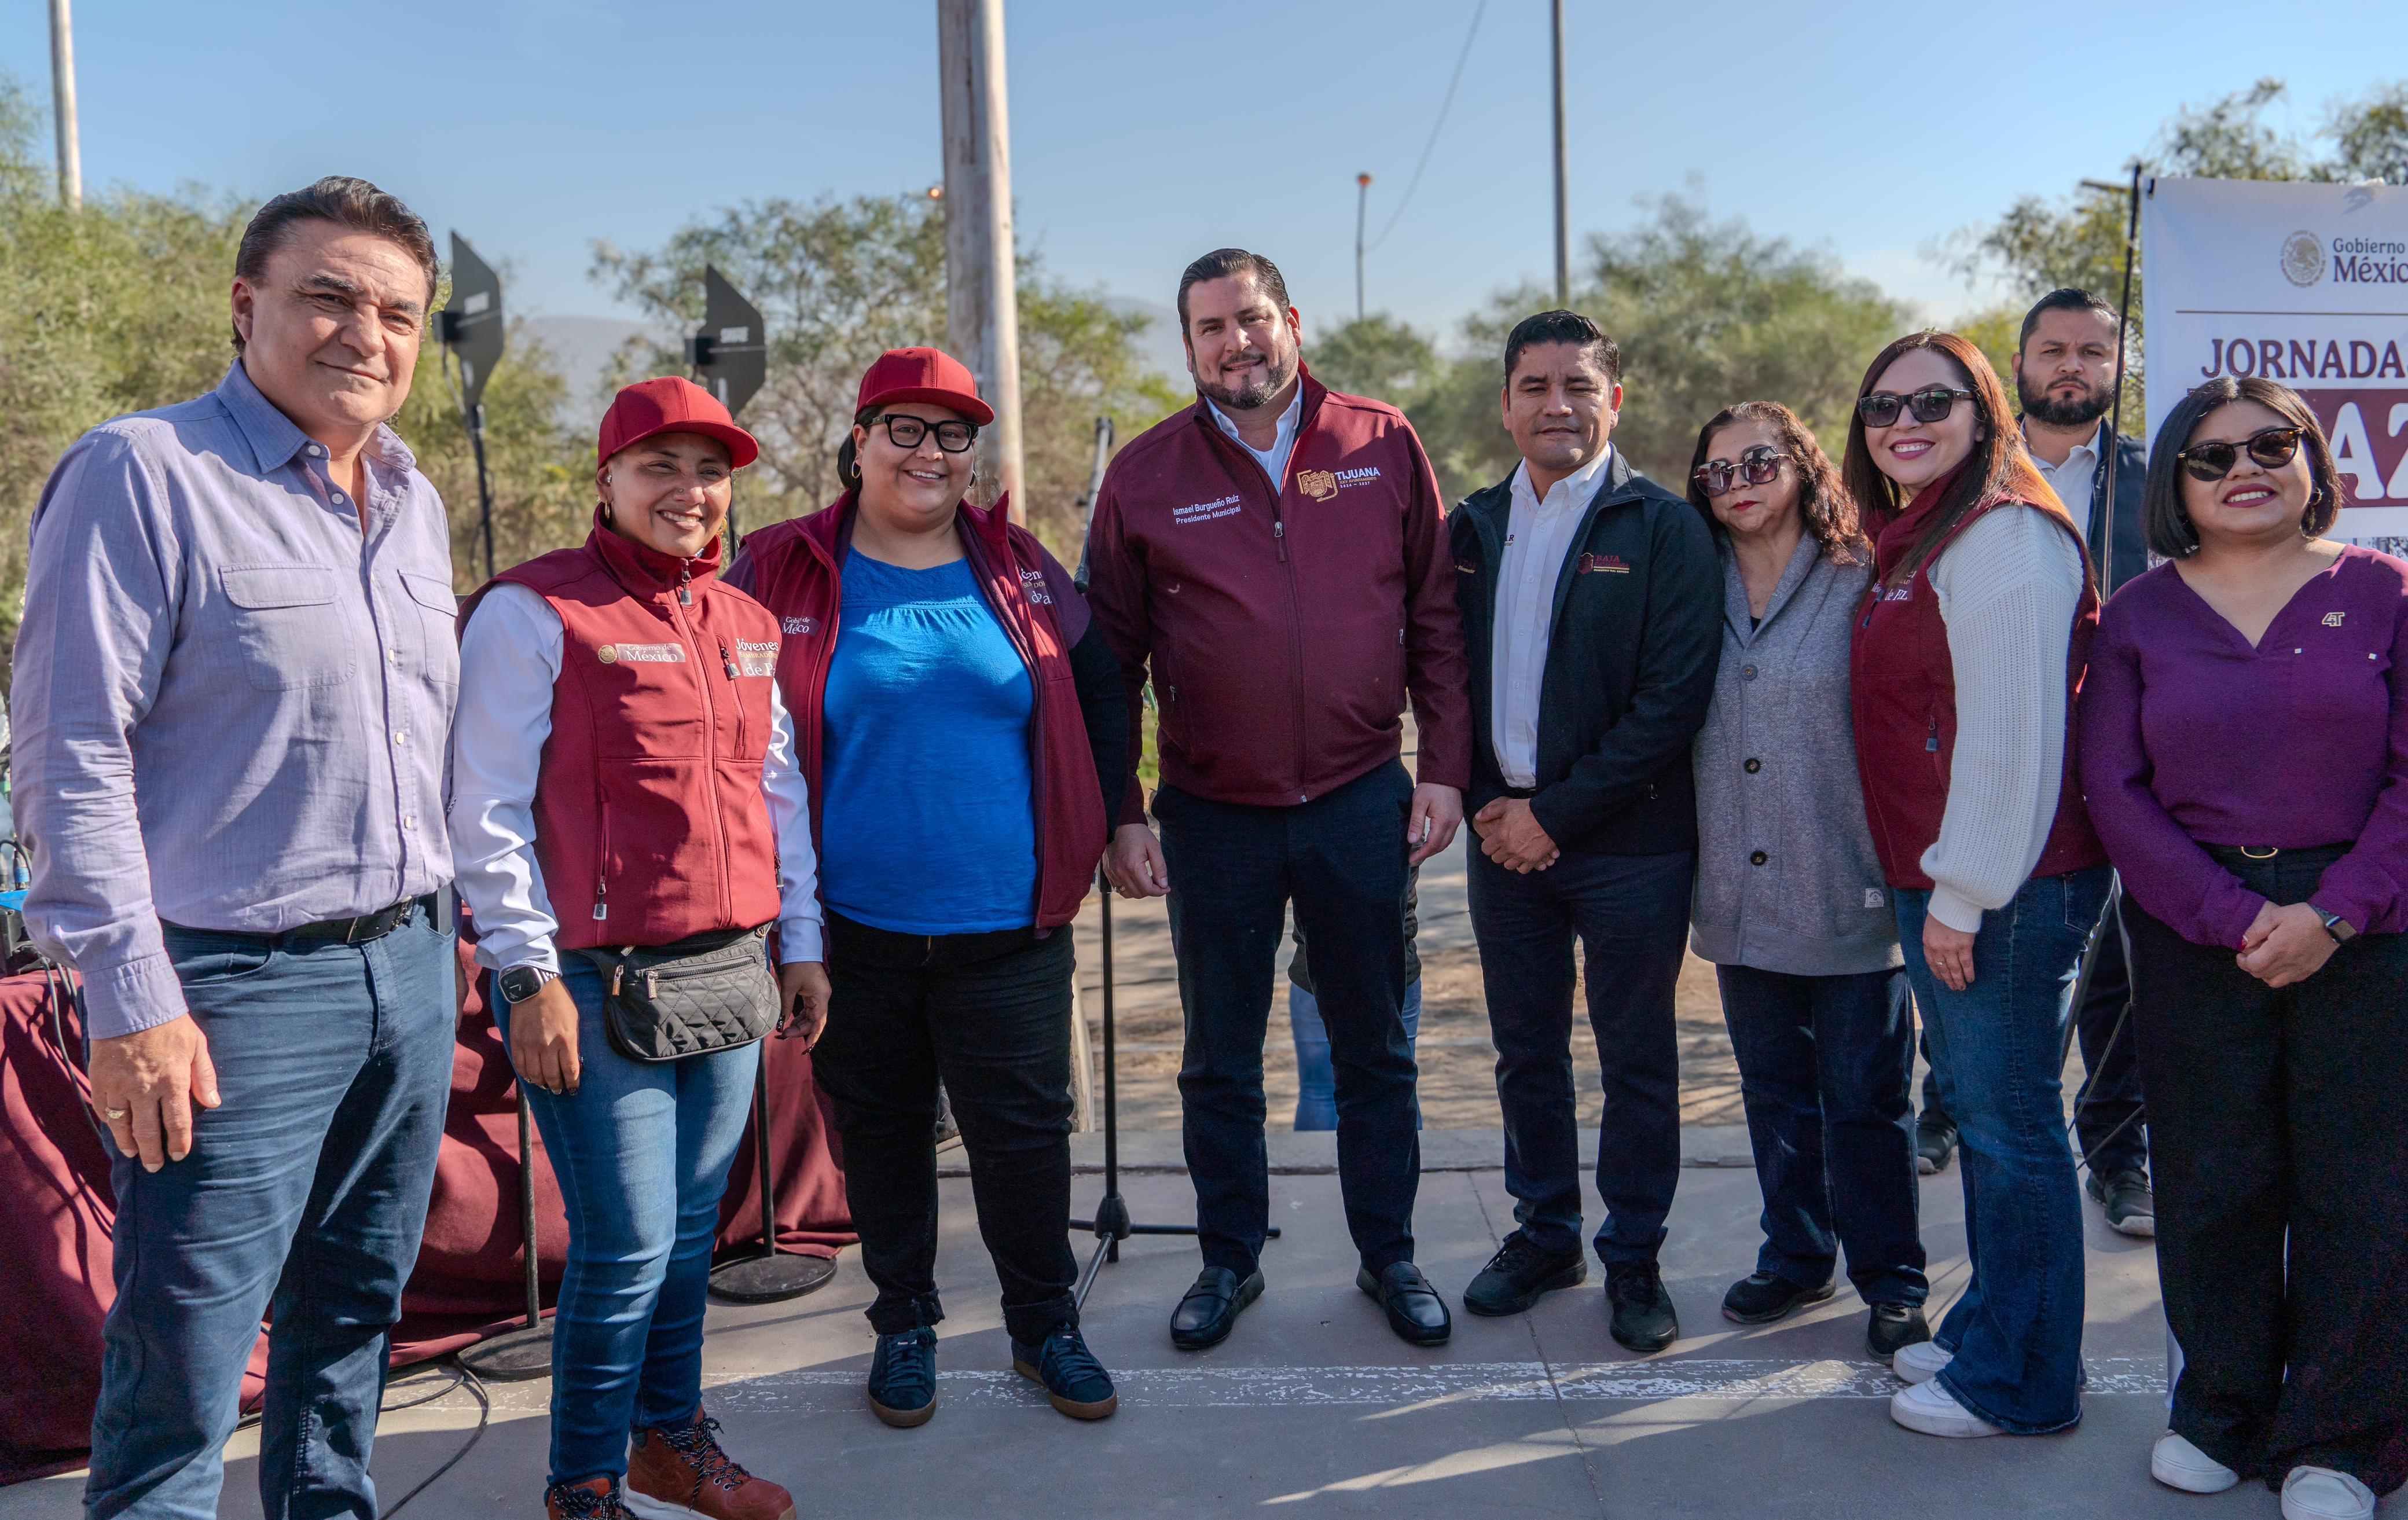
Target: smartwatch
x: 520, y: 982
x: 2337, y: 926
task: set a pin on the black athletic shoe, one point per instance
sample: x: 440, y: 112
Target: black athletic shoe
x: 1643, y: 1318
x: 1892, y: 1328
x: 1760, y: 1298
x: 903, y: 1378
x: 1211, y: 1307
x: 1519, y: 1273
x: 1935, y: 1142
x: 1073, y: 1380
x: 2131, y: 1208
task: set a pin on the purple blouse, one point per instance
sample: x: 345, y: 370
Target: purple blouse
x: 2191, y: 737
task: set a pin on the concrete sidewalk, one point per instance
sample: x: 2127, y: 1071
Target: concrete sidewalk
x: 1312, y: 1407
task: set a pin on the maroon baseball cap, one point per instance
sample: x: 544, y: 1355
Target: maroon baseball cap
x: 671, y: 404
x: 923, y: 375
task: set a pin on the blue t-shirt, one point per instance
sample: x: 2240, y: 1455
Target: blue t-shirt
x: 926, y: 822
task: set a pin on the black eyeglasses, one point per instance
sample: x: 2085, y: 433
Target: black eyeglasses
x: 910, y: 431
x: 2271, y: 447
x: 1759, y: 466
x: 1932, y: 404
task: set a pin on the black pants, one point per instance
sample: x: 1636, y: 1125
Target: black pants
x: 2282, y: 1187
x: 988, y: 1014
x: 1340, y: 859
x: 1630, y: 914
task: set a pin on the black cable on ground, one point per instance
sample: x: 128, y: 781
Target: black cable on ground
x: 461, y: 1377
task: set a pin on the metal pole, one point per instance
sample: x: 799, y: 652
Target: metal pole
x: 526, y: 1210
x: 484, y: 484
x: 760, y: 1156
x: 1563, y: 183
x: 982, y: 302
x: 2116, y: 420
x: 1362, y: 199
x: 62, y: 101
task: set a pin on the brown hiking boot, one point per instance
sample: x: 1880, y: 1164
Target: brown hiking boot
x: 675, y: 1473
x: 596, y: 1499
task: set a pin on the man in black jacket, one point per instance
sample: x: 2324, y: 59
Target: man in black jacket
x: 1591, y: 601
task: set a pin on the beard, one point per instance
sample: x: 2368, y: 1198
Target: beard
x: 2079, y: 412
x: 1258, y: 388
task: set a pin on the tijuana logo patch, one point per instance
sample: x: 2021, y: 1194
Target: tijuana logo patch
x: 757, y: 659
x: 1320, y: 484
x: 641, y: 655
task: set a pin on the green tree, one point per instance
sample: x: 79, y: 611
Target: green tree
x: 1377, y: 356
x: 541, y: 469
x: 2371, y: 135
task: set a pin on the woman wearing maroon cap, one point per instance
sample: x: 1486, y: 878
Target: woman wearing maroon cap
x: 954, y: 711
x: 625, y: 796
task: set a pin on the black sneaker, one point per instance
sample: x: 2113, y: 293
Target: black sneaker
x: 1892, y: 1328
x: 2131, y: 1208
x: 1519, y: 1273
x: 1935, y: 1142
x: 1760, y: 1298
x: 1074, y: 1380
x: 903, y: 1378
x: 1643, y: 1318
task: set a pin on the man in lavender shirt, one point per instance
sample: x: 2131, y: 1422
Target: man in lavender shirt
x: 234, y: 686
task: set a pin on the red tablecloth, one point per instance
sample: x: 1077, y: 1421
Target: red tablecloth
x: 54, y: 1270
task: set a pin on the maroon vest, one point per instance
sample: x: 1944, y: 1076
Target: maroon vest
x: 650, y: 824
x: 1903, y: 688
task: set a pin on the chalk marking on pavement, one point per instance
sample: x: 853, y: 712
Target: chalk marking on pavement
x: 1255, y: 1387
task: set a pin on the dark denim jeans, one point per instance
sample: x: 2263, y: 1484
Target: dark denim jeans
x: 641, y: 1151
x: 1631, y: 915
x: 989, y: 1015
x: 302, y: 1202
x: 1998, y: 1049
x: 1341, y: 858
x: 1316, y: 1078
x: 1825, y: 1064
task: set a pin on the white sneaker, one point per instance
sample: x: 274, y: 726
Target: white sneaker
x: 2322, y: 1493
x: 1920, y: 1362
x: 1927, y: 1406
x: 2178, y: 1464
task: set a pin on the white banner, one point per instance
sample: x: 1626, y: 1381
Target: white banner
x: 2305, y: 284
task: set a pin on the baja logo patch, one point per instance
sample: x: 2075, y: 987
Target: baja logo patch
x: 1602, y: 565
x: 757, y: 659
x: 1320, y: 484
x: 805, y: 626
x: 641, y: 655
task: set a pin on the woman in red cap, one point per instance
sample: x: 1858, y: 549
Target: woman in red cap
x: 954, y: 711
x: 626, y: 813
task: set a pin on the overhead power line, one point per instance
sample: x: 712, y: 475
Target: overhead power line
x: 1415, y: 183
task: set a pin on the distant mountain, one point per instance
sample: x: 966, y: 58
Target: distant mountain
x: 583, y: 348
x: 1159, y: 343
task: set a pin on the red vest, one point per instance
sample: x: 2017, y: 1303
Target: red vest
x: 650, y: 820
x: 1903, y: 688
x: 791, y: 567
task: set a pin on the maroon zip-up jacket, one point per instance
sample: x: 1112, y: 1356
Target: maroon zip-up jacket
x: 1284, y: 628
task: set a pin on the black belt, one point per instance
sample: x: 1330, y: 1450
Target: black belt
x: 2259, y: 854
x: 350, y: 931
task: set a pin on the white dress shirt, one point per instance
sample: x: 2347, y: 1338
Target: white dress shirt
x: 1538, y: 535
x: 510, y: 661
x: 1274, y: 459
x: 2072, y: 480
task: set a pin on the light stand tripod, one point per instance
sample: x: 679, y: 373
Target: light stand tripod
x: 774, y: 1274
x: 1111, y: 1222
x: 517, y: 1355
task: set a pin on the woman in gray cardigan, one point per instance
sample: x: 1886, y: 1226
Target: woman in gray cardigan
x: 1790, y: 902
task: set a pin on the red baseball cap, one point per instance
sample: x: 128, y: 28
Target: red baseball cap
x: 672, y: 404
x: 923, y: 375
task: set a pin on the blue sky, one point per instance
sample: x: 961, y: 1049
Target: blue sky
x: 1144, y: 133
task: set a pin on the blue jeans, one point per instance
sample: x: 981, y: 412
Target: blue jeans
x: 1631, y: 915
x: 641, y: 1151
x: 1316, y: 1075
x: 302, y: 1202
x: 1825, y: 1065
x: 1998, y: 1048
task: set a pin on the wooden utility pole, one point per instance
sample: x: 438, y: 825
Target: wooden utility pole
x: 1563, y: 182
x: 981, y: 306
x: 63, y: 105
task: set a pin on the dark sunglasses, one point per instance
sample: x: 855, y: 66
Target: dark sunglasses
x: 1759, y: 466
x: 910, y: 431
x: 2271, y: 447
x: 1880, y: 408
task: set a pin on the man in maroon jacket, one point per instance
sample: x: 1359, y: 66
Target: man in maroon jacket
x: 1274, y: 558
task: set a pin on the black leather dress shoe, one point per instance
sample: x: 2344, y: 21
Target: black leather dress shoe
x: 1416, y: 1311
x: 1205, y: 1316
x: 1643, y: 1318
x: 1519, y: 1272
x: 1761, y: 1298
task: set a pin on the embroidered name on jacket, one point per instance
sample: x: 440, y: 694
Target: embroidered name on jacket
x: 1032, y: 585
x: 641, y: 655
x: 802, y: 625
x: 1205, y: 511
x: 757, y: 659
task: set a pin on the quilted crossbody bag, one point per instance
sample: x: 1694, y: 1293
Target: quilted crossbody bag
x: 708, y: 992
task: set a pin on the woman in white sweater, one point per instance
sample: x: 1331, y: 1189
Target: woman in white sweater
x: 1966, y: 657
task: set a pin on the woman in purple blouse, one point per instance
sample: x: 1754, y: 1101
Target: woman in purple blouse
x: 2245, y: 739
